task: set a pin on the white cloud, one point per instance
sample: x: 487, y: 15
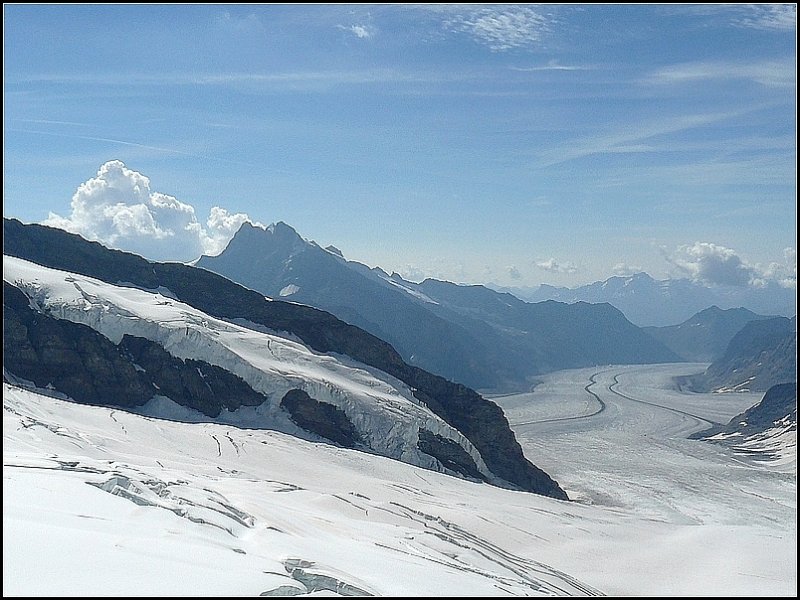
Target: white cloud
x: 785, y: 274
x: 118, y: 208
x: 513, y: 272
x: 361, y: 31
x: 712, y: 264
x: 626, y: 270
x: 551, y: 265
x: 414, y: 273
x: 501, y: 27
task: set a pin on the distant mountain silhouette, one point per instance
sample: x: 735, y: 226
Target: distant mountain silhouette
x: 469, y: 334
x: 648, y: 302
x: 704, y: 337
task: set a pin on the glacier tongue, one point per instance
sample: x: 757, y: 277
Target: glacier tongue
x: 382, y: 409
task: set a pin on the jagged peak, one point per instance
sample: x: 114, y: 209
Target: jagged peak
x: 334, y: 250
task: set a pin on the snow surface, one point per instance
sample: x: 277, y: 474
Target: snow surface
x: 289, y: 290
x: 101, y: 501
x: 98, y: 501
x: 381, y: 408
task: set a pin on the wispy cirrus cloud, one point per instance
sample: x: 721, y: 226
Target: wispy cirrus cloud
x: 238, y: 24
x: 766, y: 17
x: 553, y: 65
x: 273, y: 81
x: 768, y: 73
x: 499, y: 27
x: 631, y: 138
x: 779, y: 17
x: 160, y: 149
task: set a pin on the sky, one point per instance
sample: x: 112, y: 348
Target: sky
x: 505, y: 144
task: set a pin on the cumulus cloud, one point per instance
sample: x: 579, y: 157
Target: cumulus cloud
x: 501, y: 27
x: 551, y: 265
x: 626, y: 270
x: 414, y: 273
x: 513, y: 272
x: 713, y: 264
x: 785, y: 274
x: 119, y: 209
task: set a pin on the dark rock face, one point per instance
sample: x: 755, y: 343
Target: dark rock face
x: 326, y: 420
x: 72, y: 358
x: 83, y: 364
x: 449, y: 453
x: 192, y: 383
x: 479, y: 420
x: 779, y: 403
x: 762, y: 354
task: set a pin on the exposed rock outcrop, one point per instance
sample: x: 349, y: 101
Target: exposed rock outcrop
x: 86, y: 366
x: 451, y: 455
x: 321, y: 418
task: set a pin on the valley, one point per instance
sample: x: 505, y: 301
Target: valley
x: 246, y: 511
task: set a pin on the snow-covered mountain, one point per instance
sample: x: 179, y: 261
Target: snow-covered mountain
x: 766, y: 431
x: 383, y: 415
x: 173, y: 331
x: 469, y: 334
x: 649, y: 302
x: 704, y: 337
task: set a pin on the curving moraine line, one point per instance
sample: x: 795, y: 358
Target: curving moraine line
x: 601, y: 407
x: 669, y: 408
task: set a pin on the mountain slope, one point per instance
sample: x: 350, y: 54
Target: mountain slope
x: 165, y: 349
x: 467, y: 333
x: 553, y: 335
x: 648, y: 302
x: 480, y: 421
x: 761, y: 355
x: 278, y: 263
x: 705, y: 336
x: 768, y: 429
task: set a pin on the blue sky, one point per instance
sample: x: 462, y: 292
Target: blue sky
x: 514, y: 144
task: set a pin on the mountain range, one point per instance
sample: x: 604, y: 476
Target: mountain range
x: 650, y: 302
x: 471, y: 334
x: 81, y: 318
